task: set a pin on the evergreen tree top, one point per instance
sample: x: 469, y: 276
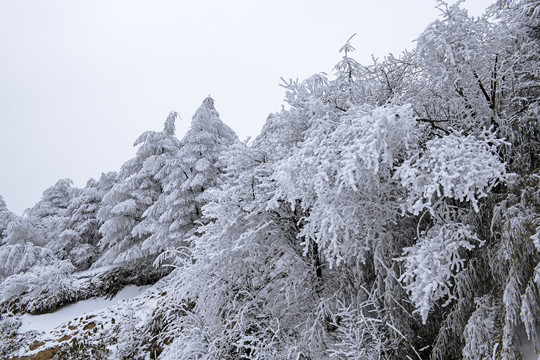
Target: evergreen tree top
x: 209, y: 103
x: 170, y: 127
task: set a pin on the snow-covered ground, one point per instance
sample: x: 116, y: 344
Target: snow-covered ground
x: 73, y: 320
x: 93, y: 271
x: 82, y: 276
x: 48, y: 322
x: 526, y: 346
x: 98, y: 321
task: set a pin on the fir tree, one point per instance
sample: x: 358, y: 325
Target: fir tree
x: 123, y: 207
x: 186, y: 177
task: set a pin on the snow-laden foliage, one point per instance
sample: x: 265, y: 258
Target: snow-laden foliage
x: 390, y: 211
x: 78, y: 241
x: 18, y: 258
x: 342, y: 177
x: 433, y: 262
x: 48, y: 214
x: 6, y: 217
x: 516, y: 260
x: 463, y: 168
x: 480, y: 330
x: 363, y: 333
x: 21, y: 230
x: 185, y: 176
x: 42, y: 288
x: 123, y: 207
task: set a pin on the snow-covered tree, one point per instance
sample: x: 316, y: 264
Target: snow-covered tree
x: 49, y: 212
x: 78, y: 241
x: 476, y: 74
x: 390, y: 211
x: 6, y: 217
x: 137, y: 189
x: 18, y: 258
x: 201, y: 147
x: 248, y: 281
x: 185, y: 177
x: 24, y: 230
x: 22, y: 244
x: 40, y: 288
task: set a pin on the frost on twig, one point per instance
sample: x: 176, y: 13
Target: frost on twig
x: 458, y: 167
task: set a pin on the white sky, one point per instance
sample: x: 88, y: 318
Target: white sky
x: 80, y: 80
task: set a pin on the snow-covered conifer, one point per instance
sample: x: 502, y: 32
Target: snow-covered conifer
x: 186, y: 176
x: 49, y: 212
x: 17, y: 258
x: 6, y: 217
x: 137, y: 189
x: 78, y: 241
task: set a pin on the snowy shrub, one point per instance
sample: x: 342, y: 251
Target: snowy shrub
x: 9, y: 342
x: 459, y: 167
x: 41, y: 288
x: 9, y: 324
x: 432, y: 263
x: 18, y: 258
x: 83, y: 349
x: 128, y: 333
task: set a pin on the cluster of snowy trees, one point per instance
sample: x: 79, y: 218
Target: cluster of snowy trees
x: 391, y: 211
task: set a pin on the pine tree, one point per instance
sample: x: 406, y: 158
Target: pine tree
x: 78, y: 241
x: 124, y: 206
x: 6, y: 217
x: 49, y: 212
x: 193, y: 170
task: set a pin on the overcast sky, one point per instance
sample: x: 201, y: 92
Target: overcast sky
x: 80, y: 80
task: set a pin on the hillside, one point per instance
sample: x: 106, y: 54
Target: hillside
x: 389, y: 211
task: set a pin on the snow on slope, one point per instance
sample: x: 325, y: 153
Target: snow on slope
x: 48, y: 322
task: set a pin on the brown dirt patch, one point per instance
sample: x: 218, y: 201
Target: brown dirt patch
x: 64, y: 338
x: 89, y: 326
x: 42, y: 355
x: 35, y: 345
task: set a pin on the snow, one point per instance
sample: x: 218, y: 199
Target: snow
x: 93, y: 272
x: 84, y: 276
x: 48, y: 322
x: 526, y: 346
